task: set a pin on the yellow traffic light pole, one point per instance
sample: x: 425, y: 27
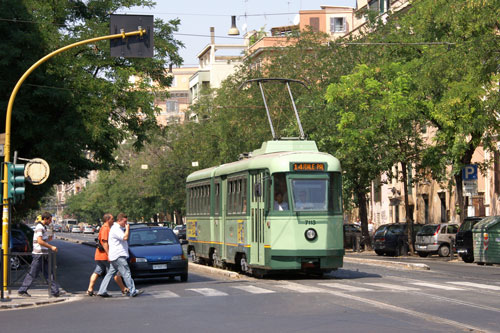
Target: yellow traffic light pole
x: 5, y: 211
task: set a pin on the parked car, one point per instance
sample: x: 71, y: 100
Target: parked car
x: 436, y: 238
x: 351, y: 232
x: 18, y: 243
x: 180, y: 231
x: 26, y: 229
x: 88, y: 229
x: 393, y: 238
x: 463, y: 240
x: 156, y: 252
x: 76, y: 229
x: 57, y: 228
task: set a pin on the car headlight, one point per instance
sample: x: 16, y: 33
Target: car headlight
x: 141, y: 260
x: 179, y: 257
x: 311, y: 234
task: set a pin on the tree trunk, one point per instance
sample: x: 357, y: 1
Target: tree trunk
x: 363, y: 216
x: 408, y: 217
x: 460, y: 196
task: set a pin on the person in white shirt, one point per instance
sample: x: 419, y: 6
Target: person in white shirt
x: 40, y: 262
x: 117, y: 256
x: 279, y: 204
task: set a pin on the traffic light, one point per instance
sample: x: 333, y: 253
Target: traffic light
x: 15, y: 178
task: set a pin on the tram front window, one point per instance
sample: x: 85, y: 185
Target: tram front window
x: 310, y: 194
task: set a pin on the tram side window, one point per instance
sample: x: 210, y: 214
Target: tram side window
x: 217, y: 199
x: 199, y: 200
x: 280, y: 192
x: 237, y: 196
x: 335, y: 193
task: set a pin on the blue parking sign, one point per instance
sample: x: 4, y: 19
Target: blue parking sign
x: 469, y: 172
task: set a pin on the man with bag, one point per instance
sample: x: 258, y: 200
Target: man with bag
x: 40, y: 262
x: 101, y: 258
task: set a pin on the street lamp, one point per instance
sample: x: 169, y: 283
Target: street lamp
x: 234, y: 30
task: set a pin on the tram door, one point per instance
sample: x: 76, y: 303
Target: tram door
x: 257, y: 217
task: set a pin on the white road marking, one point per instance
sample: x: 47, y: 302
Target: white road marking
x: 392, y: 286
x: 345, y: 287
x: 164, y: 294
x: 476, y: 285
x: 208, y: 292
x: 300, y: 288
x: 435, y: 285
x: 254, y: 289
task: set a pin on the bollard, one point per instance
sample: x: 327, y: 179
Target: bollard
x: 452, y: 255
x: 358, y: 245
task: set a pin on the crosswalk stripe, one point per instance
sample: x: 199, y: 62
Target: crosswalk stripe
x: 254, y: 289
x: 475, y: 285
x: 164, y: 294
x: 434, y: 285
x: 344, y: 286
x: 208, y: 292
x: 301, y: 288
x: 392, y: 286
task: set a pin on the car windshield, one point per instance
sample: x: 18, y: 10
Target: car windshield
x: 381, y: 230
x: 310, y: 194
x: 468, y: 224
x: 152, y: 237
x: 428, y: 230
x: 395, y: 229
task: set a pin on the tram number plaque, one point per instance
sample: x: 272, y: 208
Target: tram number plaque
x: 308, y: 167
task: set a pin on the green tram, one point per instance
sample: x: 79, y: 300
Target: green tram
x: 277, y: 209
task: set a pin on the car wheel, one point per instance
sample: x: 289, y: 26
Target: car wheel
x: 15, y: 263
x: 379, y: 253
x: 423, y: 254
x: 444, y: 251
x: 468, y: 258
x: 184, y: 277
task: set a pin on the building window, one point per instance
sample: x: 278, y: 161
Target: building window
x: 338, y: 24
x: 172, y: 106
x: 377, y: 5
x: 314, y: 23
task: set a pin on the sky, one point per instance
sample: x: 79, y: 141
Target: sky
x: 197, y: 16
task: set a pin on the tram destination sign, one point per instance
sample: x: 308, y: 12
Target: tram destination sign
x: 308, y: 166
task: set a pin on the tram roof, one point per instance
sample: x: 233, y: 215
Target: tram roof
x: 276, y: 156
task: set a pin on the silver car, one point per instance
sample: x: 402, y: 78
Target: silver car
x: 435, y: 238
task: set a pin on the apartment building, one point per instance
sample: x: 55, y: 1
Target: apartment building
x: 174, y: 106
x: 216, y: 63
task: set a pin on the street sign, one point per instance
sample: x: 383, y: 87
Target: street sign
x: 469, y: 172
x: 470, y: 187
x: 133, y: 46
x: 37, y: 171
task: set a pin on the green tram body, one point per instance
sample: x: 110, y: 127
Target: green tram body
x: 231, y: 218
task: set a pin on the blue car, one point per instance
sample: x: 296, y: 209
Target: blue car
x: 156, y: 252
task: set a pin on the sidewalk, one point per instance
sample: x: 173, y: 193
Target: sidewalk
x: 38, y: 297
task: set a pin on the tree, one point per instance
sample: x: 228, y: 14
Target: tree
x: 459, y: 79
x: 76, y: 108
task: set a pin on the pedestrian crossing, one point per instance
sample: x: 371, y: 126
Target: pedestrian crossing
x: 346, y: 287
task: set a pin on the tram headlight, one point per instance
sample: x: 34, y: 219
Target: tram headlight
x: 311, y: 234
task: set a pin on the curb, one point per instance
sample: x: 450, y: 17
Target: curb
x: 375, y: 262
x: 217, y: 271
x: 32, y: 304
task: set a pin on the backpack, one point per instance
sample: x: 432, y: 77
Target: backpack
x: 99, y: 246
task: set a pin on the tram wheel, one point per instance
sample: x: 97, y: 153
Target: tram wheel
x: 193, y: 256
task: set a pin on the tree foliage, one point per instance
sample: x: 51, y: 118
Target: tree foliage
x: 75, y: 109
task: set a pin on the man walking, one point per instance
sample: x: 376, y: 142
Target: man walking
x: 40, y: 258
x: 101, y: 257
x: 118, y: 254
